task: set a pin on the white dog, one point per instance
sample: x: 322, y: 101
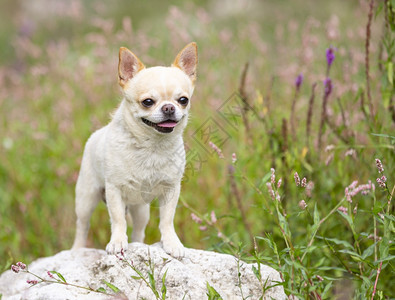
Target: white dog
x: 139, y: 155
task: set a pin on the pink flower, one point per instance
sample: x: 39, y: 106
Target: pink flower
x: 273, y: 176
x: 50, y: 274
x: 21, y: 265
x: 380, y: 183
x: 15, y: 269
x: 32, y: 282
x: 297, y: 179
x: 234, y: 158
x: 216, y: 149
x: 309, y: 188
x: 196, y: 218
x: 203, y: 228
x: 279, y: 183
x: 213, y: 217
x: 379, y: 165
x: 304, y: 182
x: 343, y: 209
x: 302, y: 204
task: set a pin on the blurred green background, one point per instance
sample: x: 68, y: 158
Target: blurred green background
x: 58, y: 83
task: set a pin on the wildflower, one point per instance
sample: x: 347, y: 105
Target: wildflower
x: 196, y: 218
x: 202, y: 228
x: 329, y: 148
x: 328, y: 86
x: 213, y: 217
x: 273, y: 176
x: 347, y: 194
x: 21, y: 265
x: 350, y: 152
x: 15, y: 269
x: 299, y: 81
x: 379, y: 165
x: 220, y: 234
x: 304, y: 182
x: 50, y: 274
x: 32, y: 282
x: 355, y: 209
x: 279, y: 183
x: 278, y: 198
x: 383, y: 178
x: 302, y: 204
x: 330, y: 56
x: 270, y: 189
x: 234, y: 158
x: 309, y: 188
x: 343, y: 209
x: 380, y: 183
x: 216, y: 149
x: 297, y: 178
x: 319, y: 278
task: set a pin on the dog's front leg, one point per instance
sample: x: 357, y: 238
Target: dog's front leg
x: 116, y: 208
x: 168, y: 203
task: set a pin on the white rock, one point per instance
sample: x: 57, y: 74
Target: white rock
x: 186, y: 278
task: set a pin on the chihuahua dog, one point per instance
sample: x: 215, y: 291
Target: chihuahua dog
x: 139, y: 155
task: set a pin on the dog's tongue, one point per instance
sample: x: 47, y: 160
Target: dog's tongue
x: 168, y: 124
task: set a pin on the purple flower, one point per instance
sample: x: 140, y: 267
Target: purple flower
x: 32, y: 282
x: 299, y: 81
x: 330, y: 56
x: 328, y: 86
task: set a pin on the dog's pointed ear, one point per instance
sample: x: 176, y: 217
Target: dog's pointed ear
x: 187, y: 60
x: 129, y: 65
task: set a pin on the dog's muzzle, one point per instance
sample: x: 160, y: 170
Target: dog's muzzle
x: 164, y: 126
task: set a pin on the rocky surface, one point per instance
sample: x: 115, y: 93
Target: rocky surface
x: 185, y: 278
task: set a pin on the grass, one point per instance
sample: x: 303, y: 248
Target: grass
x: 58, y: 84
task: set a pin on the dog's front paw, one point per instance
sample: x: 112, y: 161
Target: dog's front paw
x: 116, y: 246
x: 174, y: 247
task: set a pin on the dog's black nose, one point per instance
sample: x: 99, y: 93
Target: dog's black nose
x: 168, y: 109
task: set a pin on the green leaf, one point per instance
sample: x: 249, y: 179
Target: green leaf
x: 152, y: 284
x: 256, y: 273
x: 164, y: 289
x: 326, y: 289
x: 136, y: 277
x: 383, y: 135
x: 368, y: 251
x: 390, y: 72
x: 212, y: 293
x: 390, y: 257
x: 111, y: 286
x: 101, y: 290
x: 338, y: 242
x: 60, y: 276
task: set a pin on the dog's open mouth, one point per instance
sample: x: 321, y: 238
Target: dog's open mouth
x: 165, y: 126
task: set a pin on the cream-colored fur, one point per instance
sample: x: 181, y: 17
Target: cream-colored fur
x: 129, y: 162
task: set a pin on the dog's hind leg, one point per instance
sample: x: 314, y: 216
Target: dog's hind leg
x: 87, y: 198
x: 140, y: 216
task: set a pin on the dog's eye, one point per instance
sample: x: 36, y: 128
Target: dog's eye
x: 183, y: 100
x: 148, y: 102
